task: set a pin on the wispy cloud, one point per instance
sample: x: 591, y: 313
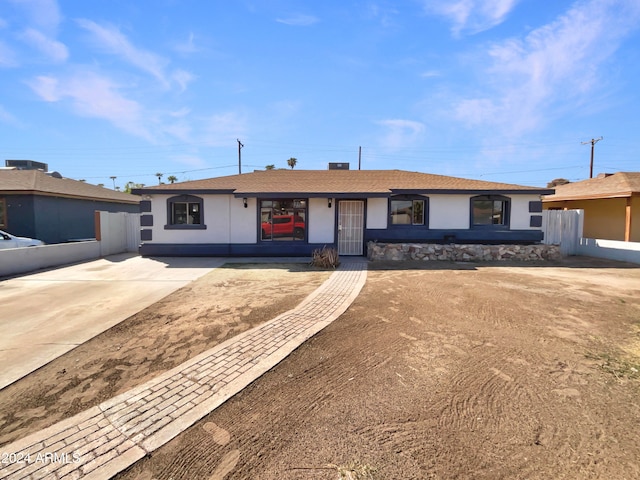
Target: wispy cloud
x: 188, y: 46
x: 53, y: 49
x: 95, y: 96
x: 112, y: 41
x: 298, y: 20
x: 224, y: 128
x: 8, y: 57
x: 182, y: 78
x: 44, y: 14
x: 8, y: 118
x: 430, y: 74
x: 554, y: 65
x: 384, y: 14
x: 193, y: 161
x: 471, y: 16
x: 400, y: 133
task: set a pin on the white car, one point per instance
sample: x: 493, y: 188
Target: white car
x: 11, y: 241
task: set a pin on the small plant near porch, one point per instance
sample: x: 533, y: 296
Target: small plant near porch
x: 325, y: 258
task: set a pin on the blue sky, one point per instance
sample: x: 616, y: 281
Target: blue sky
x: 498, y: 90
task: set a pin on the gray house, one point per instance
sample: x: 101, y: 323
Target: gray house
x: 54, y: 209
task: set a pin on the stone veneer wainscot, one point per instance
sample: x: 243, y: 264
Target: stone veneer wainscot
x: 464, y: 253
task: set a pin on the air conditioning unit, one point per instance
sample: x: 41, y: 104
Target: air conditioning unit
x: 338, y: 166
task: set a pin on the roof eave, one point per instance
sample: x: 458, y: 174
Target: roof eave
x: 472, y: 191
x: 67, y: 195
x: 600, y: 196
x: 181, y: 191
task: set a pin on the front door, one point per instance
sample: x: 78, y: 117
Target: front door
x: 350, y: 227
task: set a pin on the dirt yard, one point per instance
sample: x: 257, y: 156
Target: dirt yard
x: 437, y: 371
x: 197, y: 317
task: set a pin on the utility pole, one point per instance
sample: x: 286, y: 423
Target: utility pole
x: 359, y: 157
x: 593, y: 144
x: 240, y: 145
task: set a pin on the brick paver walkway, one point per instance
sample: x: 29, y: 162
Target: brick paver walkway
x: 106, y: 439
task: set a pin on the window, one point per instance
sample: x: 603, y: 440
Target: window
x: 3, y: 213
x: 490, y: 211
x: 185, y: 212
x: 283, y: 220
x: 407, y: 211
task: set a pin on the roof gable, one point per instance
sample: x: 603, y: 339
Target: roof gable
x: 39, y: 183
x: 621, y: 184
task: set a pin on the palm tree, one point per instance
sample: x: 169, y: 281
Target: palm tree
x: 270, y: 167
x: 114, y: 181
x: 172, y: 178
x: 292, y: 162
x: 131, y: 185
x: 159, y: 175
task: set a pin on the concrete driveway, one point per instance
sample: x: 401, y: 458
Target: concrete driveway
x: 44, y: 315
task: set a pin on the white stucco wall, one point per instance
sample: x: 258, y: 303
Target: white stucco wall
x: 228, y: 221
x: 321, y: 221
x: 449, y: 211
x: 216, y: 212
x: 243, y: 221
x: 520, y: 216
x: 377, y: 212
x: 452, y: 211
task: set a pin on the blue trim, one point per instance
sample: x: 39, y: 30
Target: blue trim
x: 146, y: 235
x: 307, y: 195
x: 535, y: 221
x: 506, y: 213
x: 185, y: 226
x: 473, y: 236
x: 454, y: 191
x: 288, y: 249
x: 182, y: 191
x: 145, y: 206
x: 535, y: 207
x: 336, y: 217
x: 392, y: 191
x: 286, y: 242
x: 146, y: 220
x: 425, y: 213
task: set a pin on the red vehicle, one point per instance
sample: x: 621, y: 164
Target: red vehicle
x: 283, y: 226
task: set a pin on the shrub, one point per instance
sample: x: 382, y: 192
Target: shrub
x: 325, y: 257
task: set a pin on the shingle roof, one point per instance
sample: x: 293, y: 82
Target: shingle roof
x: 39, y: 183
x: 621, y: 184
x: 381, y: 182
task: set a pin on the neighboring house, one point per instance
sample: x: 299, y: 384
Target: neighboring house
x: 54, y: 209
x: 611, y: 204
x: 292, y: 212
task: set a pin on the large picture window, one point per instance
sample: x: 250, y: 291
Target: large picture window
x: 185, y: 211
x: 490, y: 211
x: 3, y: 213
x: 283, y: 220
x: 407, y: 211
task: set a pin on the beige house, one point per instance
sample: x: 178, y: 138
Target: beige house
x: 611, y: 204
